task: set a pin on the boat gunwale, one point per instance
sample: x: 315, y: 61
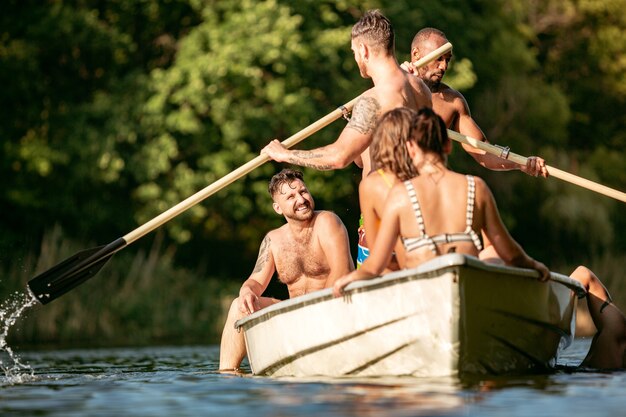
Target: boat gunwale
x: 442, y: 264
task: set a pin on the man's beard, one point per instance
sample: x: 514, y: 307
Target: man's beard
x: 297, y: 215
x: 427, y: 77
x: 432, y: 84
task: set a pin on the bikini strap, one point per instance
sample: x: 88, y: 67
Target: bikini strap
x: 381, y: 172
x: 418, y: 214
x: 469, y: 213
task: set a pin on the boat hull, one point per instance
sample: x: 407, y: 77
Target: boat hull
x: 451, y: 315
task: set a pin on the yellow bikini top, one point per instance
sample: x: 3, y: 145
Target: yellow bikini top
x: 385, y: 177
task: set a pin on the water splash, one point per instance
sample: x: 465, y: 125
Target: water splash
x: 10, y: 310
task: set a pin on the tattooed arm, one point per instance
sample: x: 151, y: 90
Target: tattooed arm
x: 254, y: 286
x: 354, y: 139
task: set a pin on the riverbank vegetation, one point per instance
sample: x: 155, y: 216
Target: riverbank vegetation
x: 115, y: 111
x: 141, y: 298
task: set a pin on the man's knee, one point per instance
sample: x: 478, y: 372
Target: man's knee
x: 234, y: 313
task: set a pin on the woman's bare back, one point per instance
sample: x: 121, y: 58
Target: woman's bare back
x: 443, y: 204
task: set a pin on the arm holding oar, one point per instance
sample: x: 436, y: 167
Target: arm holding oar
x: 504, y: 153
x: 373, y: 48
x: 452, y: 107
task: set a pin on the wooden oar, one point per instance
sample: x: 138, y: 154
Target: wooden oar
x: 75, y: 270
x: 554, y: 172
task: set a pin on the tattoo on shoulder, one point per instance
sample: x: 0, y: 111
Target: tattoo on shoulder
x: 264, y: 254
x: 365, y: 115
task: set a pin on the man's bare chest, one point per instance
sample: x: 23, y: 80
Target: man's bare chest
x: 295, y: 261
x: 445, y: 109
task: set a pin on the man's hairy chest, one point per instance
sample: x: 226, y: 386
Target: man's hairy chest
x: 296, y: 261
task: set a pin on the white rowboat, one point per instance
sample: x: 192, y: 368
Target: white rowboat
x: 451, y: 315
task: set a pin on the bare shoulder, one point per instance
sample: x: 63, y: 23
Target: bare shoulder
x: 448, y: 91
x: 369, y: 181
x: 327, y: 220
x: 373, y: 186
x: 418, y: 85
x: 455, y: 97
x: 397, y: 197
x: 423, y: 95
x: 276, y: 235
x: 481, y: 184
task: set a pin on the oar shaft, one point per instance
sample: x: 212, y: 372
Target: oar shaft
x: 585, y: 183
x: 555, y: 172
x: 428, y: 58
x: 232, y: 176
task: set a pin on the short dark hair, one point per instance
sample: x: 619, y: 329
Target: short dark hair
x: 377, y: 31
x: 424, y: 34
x: 285, y: 176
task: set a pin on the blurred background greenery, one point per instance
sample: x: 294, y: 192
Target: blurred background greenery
x: 113, y: 111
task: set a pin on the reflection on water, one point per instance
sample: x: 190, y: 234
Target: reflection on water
x: 182, y: 381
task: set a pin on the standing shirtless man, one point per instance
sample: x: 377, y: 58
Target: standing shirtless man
x: 308, y: 253
x: 373, y: 45
x: 452, y: 107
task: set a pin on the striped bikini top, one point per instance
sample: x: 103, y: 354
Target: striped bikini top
x: 469, y: 235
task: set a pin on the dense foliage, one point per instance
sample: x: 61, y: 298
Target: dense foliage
x: 113, y: 111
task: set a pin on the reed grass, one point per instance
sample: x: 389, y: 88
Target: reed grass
x: 139, y: 297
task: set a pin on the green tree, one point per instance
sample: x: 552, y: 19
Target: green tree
x: 73, y: 75
x: 581, y: 48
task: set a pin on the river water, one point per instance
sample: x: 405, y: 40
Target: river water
x: 182, y: 381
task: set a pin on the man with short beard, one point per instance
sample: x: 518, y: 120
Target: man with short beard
x: 451, y: 105
x: 308, y: 253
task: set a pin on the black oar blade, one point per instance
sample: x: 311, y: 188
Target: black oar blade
x: 72, y: 272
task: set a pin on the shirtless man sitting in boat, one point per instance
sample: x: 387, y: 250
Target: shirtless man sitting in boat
x: 412, y: 213
x: 308, y: 253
